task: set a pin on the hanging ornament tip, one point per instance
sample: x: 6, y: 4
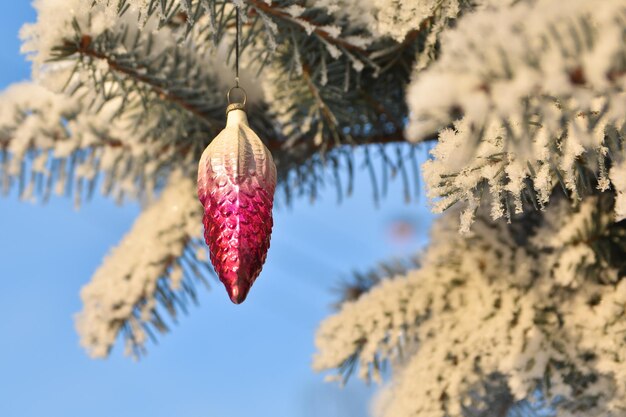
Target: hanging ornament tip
x: 236, y: 184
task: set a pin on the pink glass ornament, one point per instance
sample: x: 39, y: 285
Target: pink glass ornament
x: 236, y: 183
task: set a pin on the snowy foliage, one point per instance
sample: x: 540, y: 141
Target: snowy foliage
x: 391, y: 18
x: 112, y: 125
x: 498, y: 304
x: 526, y: 100
x: 541, y: 92
x: 308, y: 104
x: 525, y: 313
x: 157, y: 262
x: 50, y: 143
x: 122, y: 95
x: 618, y: 179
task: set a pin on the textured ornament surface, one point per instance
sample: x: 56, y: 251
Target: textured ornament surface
x: 236, y: 184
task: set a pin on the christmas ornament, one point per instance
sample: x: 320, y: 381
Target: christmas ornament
x: 236, y: 183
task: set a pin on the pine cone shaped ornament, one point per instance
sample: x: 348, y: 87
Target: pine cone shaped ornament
x: 236, y: 184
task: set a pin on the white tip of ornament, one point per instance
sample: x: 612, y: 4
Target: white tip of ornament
x: 237, y: 117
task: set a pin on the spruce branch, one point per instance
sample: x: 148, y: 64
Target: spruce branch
x: 483, y: 325
x: 48, y: 145
x: 209, y: 116
x: 360, y: 283
x: 275, y: 10
x: 499, y: 100
x: 157, y: 77
x: 154, y: 271
x: 158, y: 86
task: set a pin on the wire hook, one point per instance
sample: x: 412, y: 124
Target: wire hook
x: 237, y: 105
x: 245, y: 95
x: 237, y: 36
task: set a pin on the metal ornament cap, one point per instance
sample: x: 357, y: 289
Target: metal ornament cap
x: 236, y: 184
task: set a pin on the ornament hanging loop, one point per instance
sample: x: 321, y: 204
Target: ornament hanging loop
x: 239, y: 104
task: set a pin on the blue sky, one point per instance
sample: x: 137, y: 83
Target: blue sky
x: 221, y: 360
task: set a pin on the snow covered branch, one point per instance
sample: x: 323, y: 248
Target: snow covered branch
x: 48, y: 142
x: 530, y: 96
x: 153, y: 271
x: 328, y: 80
x: 519, y: 308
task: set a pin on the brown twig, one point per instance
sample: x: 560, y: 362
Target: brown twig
x: 84, y: 48
x: 275, y: 144
x: 281, y: 14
